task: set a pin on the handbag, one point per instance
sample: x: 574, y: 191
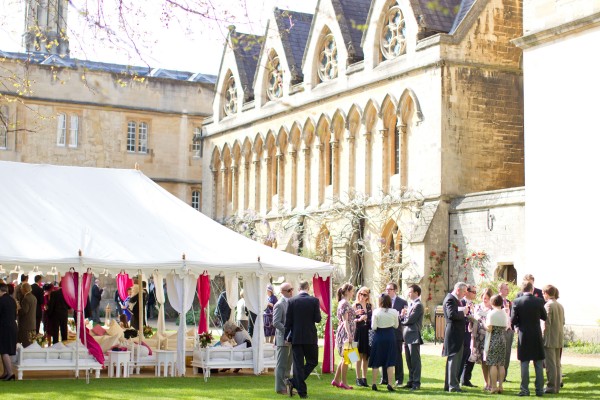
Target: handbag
x: 350, y: 354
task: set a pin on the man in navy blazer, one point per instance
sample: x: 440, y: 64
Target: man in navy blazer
x: 454, y: 314
x: 398, y: 304
x: 302, y: 314
x: 527, y: 312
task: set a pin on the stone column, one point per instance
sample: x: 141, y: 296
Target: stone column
x: 246, y: 191
x: 234, y: 189
x: 367, y: 162
x: 225, y: 189
x: 379, y: 160
x: 291, y: 184
x: 335, y: 171
x: 215, y: 192
x: 264, y: 186
x: 346, y: 167
x: 317, y: 176
x: 280, y: 180
x: 403, y: 152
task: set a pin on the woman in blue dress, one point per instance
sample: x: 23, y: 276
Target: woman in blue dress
x: 383, y: 351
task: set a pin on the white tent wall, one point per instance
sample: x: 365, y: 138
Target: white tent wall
x: 112, y: 220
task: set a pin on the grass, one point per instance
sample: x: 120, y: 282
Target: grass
x: 580, y: 383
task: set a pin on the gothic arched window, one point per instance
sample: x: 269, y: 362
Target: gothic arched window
x: 393, y: 34
x: 328, y: 59
x: 230, y: 96
x: 275, y: 77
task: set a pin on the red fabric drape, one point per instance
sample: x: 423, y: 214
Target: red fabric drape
x: 124, y: 282
x: 70, y: 289
x: 203, y: 289
x: 323, y: 293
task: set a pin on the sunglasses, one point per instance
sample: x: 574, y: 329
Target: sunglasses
x: 363, y: 294
x: 289, y: 290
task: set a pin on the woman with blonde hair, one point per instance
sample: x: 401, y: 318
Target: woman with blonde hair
x: 345, y: 333
x: 364, y: 311
x: 26, y: 315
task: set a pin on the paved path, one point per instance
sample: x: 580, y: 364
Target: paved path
x: 584, y: 360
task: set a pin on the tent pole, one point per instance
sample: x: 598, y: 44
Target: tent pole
x: 79, y: 318
x: 331, y: 363
x: 140, y: 304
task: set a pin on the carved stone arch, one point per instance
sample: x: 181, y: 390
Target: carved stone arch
x: 308, y: 132
x: 226, y: 155
x: 269, y: 140
x: 403, y: 105
x: 354, y: 120
x: 282, y: 139
x: 338, y: 124
x: 370, y: 114
x: 259, y: 142
x: 247, y: 149
x: 295, y: 136
x: 389, y: 102
x: 323, y: 129
x: 236, y: 151
x: 215, y: 160
x: 391, y: 251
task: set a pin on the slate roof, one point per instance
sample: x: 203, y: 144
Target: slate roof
x: 437, y: 16
x: 67, y: 62
x: 465, y: 6
x: 352, y: 19
x: 294, y: 28
x: 246, y: 49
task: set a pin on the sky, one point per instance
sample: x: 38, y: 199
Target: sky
x: 182, y: 41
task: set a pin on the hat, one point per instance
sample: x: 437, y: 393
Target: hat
x: 270, y: 288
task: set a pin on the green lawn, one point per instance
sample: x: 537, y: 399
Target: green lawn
x: 580, y: 383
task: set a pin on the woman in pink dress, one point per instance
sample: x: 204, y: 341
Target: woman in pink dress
x: 345, y: 333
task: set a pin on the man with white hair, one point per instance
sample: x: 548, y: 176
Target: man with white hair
x: 284, y: 350
x: 454, y: 314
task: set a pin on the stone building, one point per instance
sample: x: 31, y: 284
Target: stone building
x: 561, y: 84
x: 59, y: 110
x: 347, y: 133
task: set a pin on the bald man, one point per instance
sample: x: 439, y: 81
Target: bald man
x: 284, y: 350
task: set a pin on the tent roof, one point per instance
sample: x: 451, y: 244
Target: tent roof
x: 120, y: 220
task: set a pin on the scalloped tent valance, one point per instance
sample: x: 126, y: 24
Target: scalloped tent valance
x: 120, y: 220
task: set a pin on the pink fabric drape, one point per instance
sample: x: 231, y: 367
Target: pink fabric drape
x: 203, y: 289
x: 323, y: 293
x: 124, y: 282
x: 70, y: 289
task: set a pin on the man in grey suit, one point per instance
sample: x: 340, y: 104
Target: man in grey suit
x: 412, y: 323
x: 454, y: 314
x: 284, y: 350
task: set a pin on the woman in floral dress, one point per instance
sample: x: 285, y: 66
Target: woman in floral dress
x: 495, y: 352
x: 269, y: 328
x: 345, y: 333
x: 478, y: 336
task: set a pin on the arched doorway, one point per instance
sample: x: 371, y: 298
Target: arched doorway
x: 506, y: 272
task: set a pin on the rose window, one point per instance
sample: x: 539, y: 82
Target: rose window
x: 230, y: 103
x: 393, y: 34
x: 328, y: 60
x: 275, y: 83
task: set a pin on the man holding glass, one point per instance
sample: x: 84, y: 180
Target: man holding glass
x: 398, y: 304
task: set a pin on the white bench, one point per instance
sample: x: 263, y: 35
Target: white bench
x: 49, y: 359
x: 227, y: 357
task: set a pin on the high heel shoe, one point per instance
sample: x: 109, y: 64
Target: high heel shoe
x: 390, y: 388
x: 3, y: 377
x: 10, y: 378
x: 374, y: 387
x: 344, y: 386
x: 334, y: 383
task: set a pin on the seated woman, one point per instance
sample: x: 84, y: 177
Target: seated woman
x: 239, y: 335
x: 225, y: 341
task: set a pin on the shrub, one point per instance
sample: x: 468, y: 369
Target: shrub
x: 428, y: 333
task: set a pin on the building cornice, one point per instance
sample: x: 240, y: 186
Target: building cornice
x: 558, y: 32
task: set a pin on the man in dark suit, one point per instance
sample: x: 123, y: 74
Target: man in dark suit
x: 412, y: 323
x: 536, y: 291
x: 38, y: 293
x: 398, y: 304
x: 58, y: 313
x: 222, y: 311
x: 95, y: 301
x: 454, y: 314
x: 284, y: 350
x: 527, y: 312
x: 302, y: 314
x: 466, y: 366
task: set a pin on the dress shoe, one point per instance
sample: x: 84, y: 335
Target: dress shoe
x: 468, y: 384
x: 390, y: 388
x: 289, y: 386
x: 363, y: 382
x: 382, y: 382
x: 398, y: 384
x: 540, y: 394
x: 10, y: 378
x: 523, y: 394
x: 459, y: 390
x: 284, y: 392
x: 415, y: 387
x: 303, y: 396
x: 407, y: 386
x: 374, y: 387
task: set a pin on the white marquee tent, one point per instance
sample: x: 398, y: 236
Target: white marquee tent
x: 120, y: 220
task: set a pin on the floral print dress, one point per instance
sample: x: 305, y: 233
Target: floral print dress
x: 345, y: 312
x: 478, y: 335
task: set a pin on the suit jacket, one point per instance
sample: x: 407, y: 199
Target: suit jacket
x: 454, y: 335
x: 96, y: 296
x: 26, y: 314
x: 398, y: 304
x: 527, y: 312
x: 413, y: 323
x: 554, y: 327
x: 57, y: 306
x: 279, y: 314
x: 38, y: 293
x: 302, y: 314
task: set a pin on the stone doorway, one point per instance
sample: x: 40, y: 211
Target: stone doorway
x: 506, y: 272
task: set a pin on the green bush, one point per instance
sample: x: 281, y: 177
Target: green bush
x: 191, y: 318
x: 334, y: 320
x: 428, y: 333
x: 512, y: 288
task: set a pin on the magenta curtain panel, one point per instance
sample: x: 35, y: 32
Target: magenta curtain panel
x: 322, y: 291
x: 124, y: 282
x: 203, y: 289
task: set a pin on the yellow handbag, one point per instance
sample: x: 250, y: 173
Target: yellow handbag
x: 350, y: 354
